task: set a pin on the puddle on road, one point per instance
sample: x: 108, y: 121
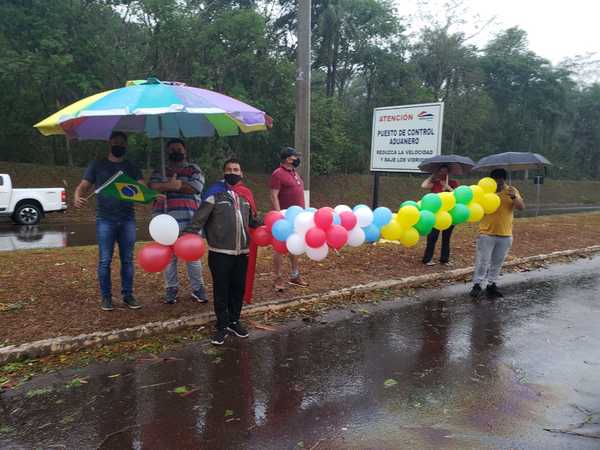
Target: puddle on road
x: 441, y: 373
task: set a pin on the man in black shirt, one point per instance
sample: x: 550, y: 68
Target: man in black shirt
x: 115, y: 220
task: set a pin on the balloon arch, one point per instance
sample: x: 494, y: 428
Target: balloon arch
x: 313, y: 231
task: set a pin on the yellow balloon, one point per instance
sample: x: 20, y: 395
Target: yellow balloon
x: 488, y: 185
x: 410, y: 237
x: 443, y: 220
x: 408, y: 216
x: 448, y: 201
x: 392, y: 231
x: 490, y: 203
x: 478, y: 193
x: 476, y: 212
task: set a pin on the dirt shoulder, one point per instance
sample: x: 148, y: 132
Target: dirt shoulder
x: 48, y: 293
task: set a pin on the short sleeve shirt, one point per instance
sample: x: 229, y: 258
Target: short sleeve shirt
x: 97, y: 173
x: 500, y: 223
x: 290, y: 187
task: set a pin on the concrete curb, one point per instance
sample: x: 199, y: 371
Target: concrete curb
x: 64, y: 344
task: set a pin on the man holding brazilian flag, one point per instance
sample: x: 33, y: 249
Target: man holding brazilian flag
x: 118, y: 184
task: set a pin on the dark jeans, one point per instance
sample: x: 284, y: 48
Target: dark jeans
x: 229, y: 277
x: 123, y: 233
x: 432, y: 239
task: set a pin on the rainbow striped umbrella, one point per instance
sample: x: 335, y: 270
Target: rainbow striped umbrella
x: 158, y: 109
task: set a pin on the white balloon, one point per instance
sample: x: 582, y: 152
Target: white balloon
x: 304, y: 222
x: 317, y: 254
x: 364, y: 216
x: 164, y: 229
x: 295, y: 244
x: 356, y: 236
x: 341, y: 208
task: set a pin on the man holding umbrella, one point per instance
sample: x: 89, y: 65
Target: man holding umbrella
x: 495, y: 237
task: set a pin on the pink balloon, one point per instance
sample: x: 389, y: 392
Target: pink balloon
x: 348, y: 219
x: 324, y: 218
x: 315, y: 237
x: 262, y: 236
x: 154, y: 257
x: 271, y: 217
x: 337, y: 236
x: 279, y: 246
x: 189, y: 247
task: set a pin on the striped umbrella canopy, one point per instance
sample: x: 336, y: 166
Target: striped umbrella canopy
x: 157, y: 109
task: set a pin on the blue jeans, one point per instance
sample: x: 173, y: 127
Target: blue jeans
x: 123, y: 233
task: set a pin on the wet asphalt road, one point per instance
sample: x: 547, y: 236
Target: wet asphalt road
x: 433, y: 371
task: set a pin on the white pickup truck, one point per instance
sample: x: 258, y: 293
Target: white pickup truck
x: 28, y: 206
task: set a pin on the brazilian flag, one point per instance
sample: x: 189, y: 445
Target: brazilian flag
x: 122, y: 187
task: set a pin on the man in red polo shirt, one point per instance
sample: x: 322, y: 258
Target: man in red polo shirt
x: 287, y: 189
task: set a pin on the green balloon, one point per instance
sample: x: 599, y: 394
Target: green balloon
x: 425, y: 223
x: 431, y: 202
x: 410, y: 203
x: 460, y: 214
x: 463, y: 195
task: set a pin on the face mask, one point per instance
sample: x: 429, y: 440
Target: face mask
x: 296, y: 163
x: 176, y: 156
x: 232, y: 178
x: 118, y: 150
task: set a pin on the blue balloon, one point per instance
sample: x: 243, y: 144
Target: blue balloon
x: 282, y: 229
x: 372, y: 233
x: 382, y: 216
x: 311, y: 209
x: 292, y: 212
x: 336, y: 219
x: 359, y: 206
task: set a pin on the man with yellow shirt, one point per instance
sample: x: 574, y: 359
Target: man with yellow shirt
x: 495, y: 237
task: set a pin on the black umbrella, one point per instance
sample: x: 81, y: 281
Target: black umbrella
x: 512, y: 161
x: 457, y: 165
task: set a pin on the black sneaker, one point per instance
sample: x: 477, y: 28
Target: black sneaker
x: 171, y: 296
x: 107, y: 304
x: 492, y: 291
x: 475, y: 291
x: 238, y: 330
x: 219, y: 337
x: 200, y: 295
x: 131, y: 302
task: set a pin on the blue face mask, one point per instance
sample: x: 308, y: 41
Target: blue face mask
x: 296, y: 162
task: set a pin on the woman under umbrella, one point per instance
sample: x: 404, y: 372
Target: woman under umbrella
x: 438, y: 182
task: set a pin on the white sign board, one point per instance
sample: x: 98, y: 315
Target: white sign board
x: 404, y: 136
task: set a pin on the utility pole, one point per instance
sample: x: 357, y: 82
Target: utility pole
x: 302, y: 123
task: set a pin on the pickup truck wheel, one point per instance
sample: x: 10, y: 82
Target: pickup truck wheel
x: 27, y: 214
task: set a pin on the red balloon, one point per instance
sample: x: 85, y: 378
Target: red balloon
x: 271, y: 217
x: 189, y: 247
x: 279, y: 246
x: 262, y: 236
x: 324, y: 218
x: 154, y: 257
x: 348, y: 220
x: 337, y: 236
x: 315, y: 237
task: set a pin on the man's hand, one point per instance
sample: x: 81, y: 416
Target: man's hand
x: 511, y: 192
x: 80, y: 202
x: 174, y: 183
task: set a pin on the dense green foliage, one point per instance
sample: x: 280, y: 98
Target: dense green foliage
x: 498, y: 98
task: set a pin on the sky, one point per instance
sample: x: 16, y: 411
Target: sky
x: 556, y: 29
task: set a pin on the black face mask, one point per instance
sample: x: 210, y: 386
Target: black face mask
x: 296, y: 162
x: 118, y: 150
x: 232, y: 178
x: 176, y: 156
